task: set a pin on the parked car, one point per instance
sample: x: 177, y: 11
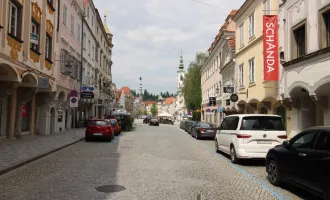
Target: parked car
x: 99, y: 128
x: 154, y: 122
x: 303, y: 161
x: 116, y: 126
x: 181, y: 124
x: 204, y: 130
x: 191, y: 125
x: 147, y: 119
x: 249, y: 136
x: 186, y: 125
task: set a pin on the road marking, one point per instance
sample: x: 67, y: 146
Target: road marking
x: 237, y: 168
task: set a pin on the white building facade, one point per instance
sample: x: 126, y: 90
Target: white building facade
x: 306, y: 59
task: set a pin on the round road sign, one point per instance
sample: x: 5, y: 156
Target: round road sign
x: 74, y: 93
x: 73, y: 100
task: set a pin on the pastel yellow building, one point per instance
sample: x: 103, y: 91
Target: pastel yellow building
x: 255, y: 94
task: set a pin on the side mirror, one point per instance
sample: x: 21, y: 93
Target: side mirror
x: 286, y: 144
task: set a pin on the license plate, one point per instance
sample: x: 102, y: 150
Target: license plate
x: 210, y: 131
x: 264, y: 142
x: 97, y: 134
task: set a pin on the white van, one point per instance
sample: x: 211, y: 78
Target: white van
x: 249, y: 136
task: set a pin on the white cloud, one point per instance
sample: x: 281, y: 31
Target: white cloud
x: 149, y: 35
x: 157, y: 34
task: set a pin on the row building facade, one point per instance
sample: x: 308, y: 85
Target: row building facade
x: 42, y: 60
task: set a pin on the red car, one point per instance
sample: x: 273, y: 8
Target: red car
x: 116, y: 126
x: 99, y: 128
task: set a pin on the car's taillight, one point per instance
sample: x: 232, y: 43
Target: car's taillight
x: 202, y: 130
x: 283, y: 136
x: 243, y: 136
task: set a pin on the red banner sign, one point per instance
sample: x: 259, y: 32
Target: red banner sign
x: 270, y: 39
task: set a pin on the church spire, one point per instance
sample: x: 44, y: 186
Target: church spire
x: 181, y: 66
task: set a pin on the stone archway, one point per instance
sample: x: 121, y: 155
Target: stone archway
x: 303, y: 109
x: 25, y: 93
x: 8, y: 73
x: 321, y: 99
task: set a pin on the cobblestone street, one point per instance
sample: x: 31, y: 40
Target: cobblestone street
x: 150, y: 162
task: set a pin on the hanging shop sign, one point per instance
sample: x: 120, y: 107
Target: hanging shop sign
x: 34, y: 39
x: 228, y: 89
x: 43, y: 83
x: 87, y: 95
x: 270, y: 41
x: 212, y: 101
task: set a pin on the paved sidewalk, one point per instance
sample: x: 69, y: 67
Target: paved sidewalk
x: 16, y: 152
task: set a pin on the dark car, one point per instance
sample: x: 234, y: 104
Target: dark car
x: 147, y: 119
x: 304, y: 161
x: 181, y: 124
x: 191, y: 125
x: 204, y: 130
x: 186, y: 125
x: 99, y: 128
x: 154, y: 122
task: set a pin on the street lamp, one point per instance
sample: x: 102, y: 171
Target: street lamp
x: 217, y: 90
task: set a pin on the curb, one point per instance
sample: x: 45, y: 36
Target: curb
x: 29, y: 160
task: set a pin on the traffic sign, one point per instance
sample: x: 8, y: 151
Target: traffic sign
x: 73, y: 102
x: 74, y: 93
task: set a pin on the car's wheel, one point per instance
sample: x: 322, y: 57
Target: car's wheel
x: 87, y: 139
x: 196, y: 136
x: 216, y: 146
x: 273, y: 173
x: 233, y: 156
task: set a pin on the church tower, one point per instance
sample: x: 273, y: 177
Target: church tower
x: 180, y: 74
x: 141, y: 90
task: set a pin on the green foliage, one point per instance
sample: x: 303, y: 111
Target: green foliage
x: 127, y: 122
x: 192, y: 89
x: 140, y: 112
x: 196, y: 116
x: 145, y: 112
x: 151, y: 97
x: 154, y: 110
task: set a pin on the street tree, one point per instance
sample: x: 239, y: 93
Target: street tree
x: 145, y: 112
x: 192, y: 89
x: 154, y: 110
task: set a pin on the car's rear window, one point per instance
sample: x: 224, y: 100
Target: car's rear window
x: 113, y: 122
x: 205, y: 125
x: 263, y: 123
x: 99, y: 123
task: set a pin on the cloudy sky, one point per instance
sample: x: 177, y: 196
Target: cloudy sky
x: 149, y: 36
